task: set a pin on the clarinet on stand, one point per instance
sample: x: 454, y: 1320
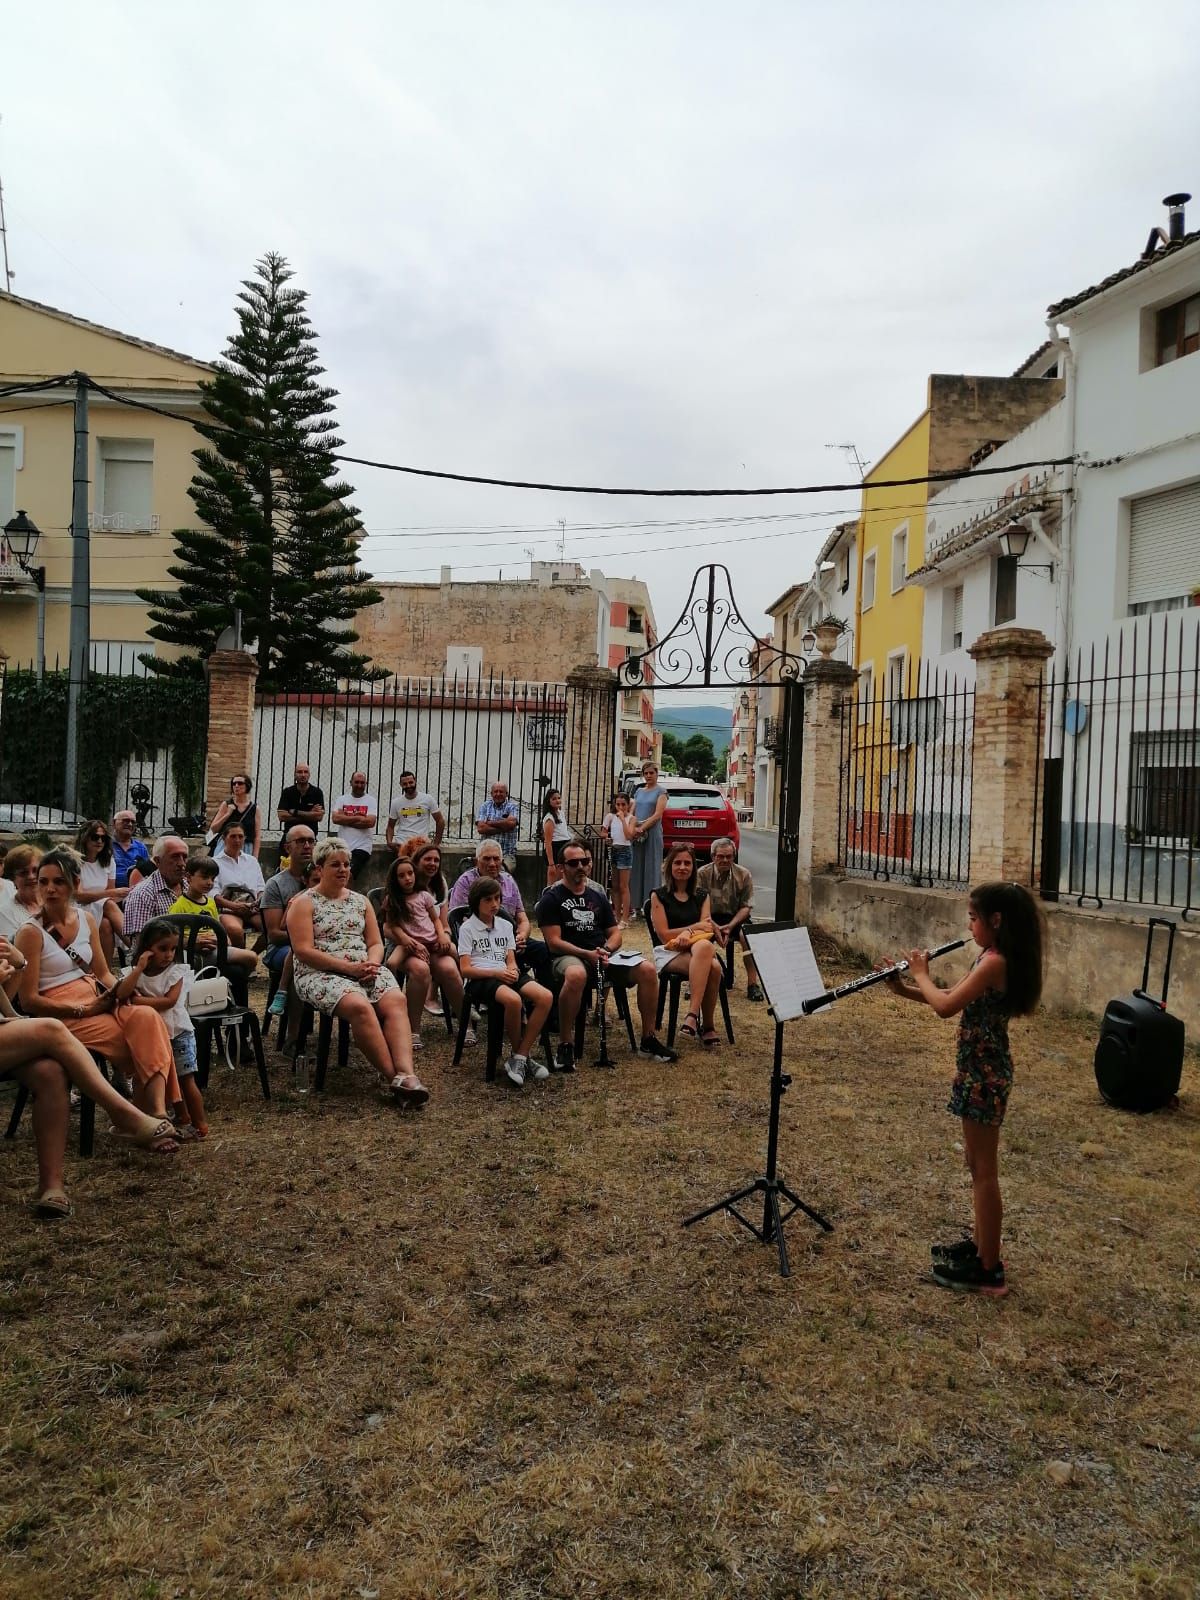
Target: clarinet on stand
x: 603, y: 1059
x: 865, y: 982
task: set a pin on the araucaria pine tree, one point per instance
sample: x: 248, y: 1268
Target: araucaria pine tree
x: 278, y: 539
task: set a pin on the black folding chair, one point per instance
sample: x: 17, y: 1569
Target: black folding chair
x: 237, y: 1019
x: 670, y: 986
x: 491, y: 1012
x: 87, y: 1111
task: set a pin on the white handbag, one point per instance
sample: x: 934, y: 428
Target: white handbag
x: 208, y: 994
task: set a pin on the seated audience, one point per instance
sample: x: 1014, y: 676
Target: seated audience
x: 66, y: 977
x: 581, y: 932
x: 337, y: 951
x: 301, y: 805
x: 128, y: 851
x: 427, y: 862
x: 239, y: 886
x: 278, y: 894
x: 162, y: 983
x: 41, y: 1054
x: 422, y: 948
x: 152, y: 897
x: 20, y: 875
x: 197, y: 900
x: 730, y: 889
x: 355, y: 816
x: 239, y: 808
x: 684, y: 930
x: 487, y: 953
x: 98, y: 883
x: 413, y: 814
x: 532, y: 954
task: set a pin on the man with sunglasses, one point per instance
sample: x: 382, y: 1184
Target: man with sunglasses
x: 581, y: 931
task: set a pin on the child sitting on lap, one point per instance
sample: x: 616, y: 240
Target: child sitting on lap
x: 487, y: 956
x: 163, y: 984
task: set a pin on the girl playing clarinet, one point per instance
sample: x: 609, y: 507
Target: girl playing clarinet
x: 1005, y: 981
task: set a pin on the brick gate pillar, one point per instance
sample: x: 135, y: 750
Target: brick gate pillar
x: 590, y: 748
x: 232, y: 675
x: 1007, y: 749
x: 827, y: 685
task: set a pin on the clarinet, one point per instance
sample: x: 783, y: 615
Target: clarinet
x: 603, y: 1059
x: 865, y: 982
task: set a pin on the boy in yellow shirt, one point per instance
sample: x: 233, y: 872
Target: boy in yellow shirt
x: 197, y: 900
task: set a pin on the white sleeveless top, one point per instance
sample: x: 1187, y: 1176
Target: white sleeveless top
x: 57, y: 967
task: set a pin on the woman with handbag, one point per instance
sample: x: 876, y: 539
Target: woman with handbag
x: 683, y: 932
x: 66, y: 976
x: 39, y: 1054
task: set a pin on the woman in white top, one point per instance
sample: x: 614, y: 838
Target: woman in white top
x: 20, y: 870
x: 556, y: 834
x: 239, y: 887
x: 98, y: 883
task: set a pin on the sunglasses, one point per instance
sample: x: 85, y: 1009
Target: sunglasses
x: 578, y: 861
x: 237, y: 784
x: 101, y: 836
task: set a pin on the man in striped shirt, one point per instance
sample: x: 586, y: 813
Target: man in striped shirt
x: 155, y: 895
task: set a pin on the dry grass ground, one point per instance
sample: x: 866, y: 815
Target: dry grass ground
x: 338, y: 1351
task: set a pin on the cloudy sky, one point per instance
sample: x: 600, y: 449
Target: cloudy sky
x: 656, y: 244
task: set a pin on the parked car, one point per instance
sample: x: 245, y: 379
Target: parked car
x: 32, y: 819
x: 697, y: 814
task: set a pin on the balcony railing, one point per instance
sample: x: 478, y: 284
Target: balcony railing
x: 122, y: 522
x: 773, y: 734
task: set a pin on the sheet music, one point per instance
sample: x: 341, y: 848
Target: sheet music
x: 787, y: 969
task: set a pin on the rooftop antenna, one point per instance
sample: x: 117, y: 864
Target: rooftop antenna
x: 9, y: 274
x: 562, y: 541
x: 850, y: 451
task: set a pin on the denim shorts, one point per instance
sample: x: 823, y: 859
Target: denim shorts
x: 621, y: 856
x: 183, y: 1048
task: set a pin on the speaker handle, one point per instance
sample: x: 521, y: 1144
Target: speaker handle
x: 1159, y: 922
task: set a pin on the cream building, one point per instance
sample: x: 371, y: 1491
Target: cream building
x: 139, y: 465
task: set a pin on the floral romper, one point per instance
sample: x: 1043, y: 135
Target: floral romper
x: 984, y: 1069
x: 339, y: 929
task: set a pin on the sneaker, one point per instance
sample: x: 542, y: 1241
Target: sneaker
x: 278, y: 1006
x: 961, y: 1250
x: 418, y: 1042
x: 470, y: 1037
x: 514, y: 1070
x: 433, y: 1007
x: 564, y: 1061
x: 539, y: 1070
x: 656, y: 1050
x: 972, y: 1275
x: 754, y: 992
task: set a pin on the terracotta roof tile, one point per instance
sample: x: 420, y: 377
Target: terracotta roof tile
x: 1057, y: 309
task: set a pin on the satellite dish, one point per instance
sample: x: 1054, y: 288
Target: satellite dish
x: 1075, y: 717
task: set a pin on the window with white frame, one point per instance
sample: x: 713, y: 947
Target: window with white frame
x: 865, y: 674
x: 897, y: 662
x: 952, y: 613
x: 868, y: 581
x: 1164, y: 550
x: 10, y: 463
x: 899, y: 558
x: 125, y: 490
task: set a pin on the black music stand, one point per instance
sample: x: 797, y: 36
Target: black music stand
x: 784, y: 1007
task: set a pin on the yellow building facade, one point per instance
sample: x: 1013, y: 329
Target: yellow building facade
x: 139, y: 467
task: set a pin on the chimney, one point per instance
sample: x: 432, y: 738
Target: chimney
x: 1175, y: 219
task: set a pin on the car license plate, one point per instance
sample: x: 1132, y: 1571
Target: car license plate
x: 683, y: 823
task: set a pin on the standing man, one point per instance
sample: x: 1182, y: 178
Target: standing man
x: 128, y: 852
x: 731, y: 891
x: 354, y: 817
x: 413, y: 814
x: 301, y: 804
x: 499, y: 818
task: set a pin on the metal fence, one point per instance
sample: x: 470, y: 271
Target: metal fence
x: 141, y: 744
x: 457, y: 734
x: 904, y: 803
x: 1118, y: 819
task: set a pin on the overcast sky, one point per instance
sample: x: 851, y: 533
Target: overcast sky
x: 673, y: 244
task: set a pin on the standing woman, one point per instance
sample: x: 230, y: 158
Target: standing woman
x: 238, y: 808
x: 646, y: 836
x: 337, y: 955
x: 556, y: 834
x: 98, y: 883
x: 66, y: 977
x: 683, y: 926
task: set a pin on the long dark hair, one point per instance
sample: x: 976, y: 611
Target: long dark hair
x: 668, y: 881
x: 552, y: 811
x: 1018, y: 939
x: 436, y: 885
x: 395, y: 899
x: 104, y: 859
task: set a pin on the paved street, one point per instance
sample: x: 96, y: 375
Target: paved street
x: 758, y: 853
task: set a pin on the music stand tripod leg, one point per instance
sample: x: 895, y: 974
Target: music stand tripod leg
x: 727, y: 1204
x: 800, y: 1205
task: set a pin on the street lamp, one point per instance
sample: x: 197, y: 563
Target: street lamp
x: 1014, y: 542
x: 21, y: 534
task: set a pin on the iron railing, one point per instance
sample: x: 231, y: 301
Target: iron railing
x: 1118, y: 813
x: 904, y: 805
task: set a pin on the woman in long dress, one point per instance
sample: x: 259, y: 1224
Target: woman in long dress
x: 646, y: 836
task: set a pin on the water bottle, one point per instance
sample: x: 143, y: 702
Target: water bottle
x: 300, y: 1068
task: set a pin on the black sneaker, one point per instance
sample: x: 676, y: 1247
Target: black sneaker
x: 754, y: 992
x: 972, y: 1275
x: 963, y: 1249
x: 650, y: 1046
x: 564, y: 1060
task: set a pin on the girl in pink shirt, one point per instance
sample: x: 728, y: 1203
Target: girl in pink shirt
x: 420, y: 945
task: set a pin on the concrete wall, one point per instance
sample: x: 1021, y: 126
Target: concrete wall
x: 1091, y: 957
x: 525, y: 630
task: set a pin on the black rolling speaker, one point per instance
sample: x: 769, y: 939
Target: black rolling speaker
x: 1139, y: 1059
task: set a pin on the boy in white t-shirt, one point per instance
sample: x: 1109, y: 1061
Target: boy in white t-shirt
x: 163, y: 983
x: 487, y: 958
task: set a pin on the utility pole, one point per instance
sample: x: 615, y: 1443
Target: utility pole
x: 81, y: 593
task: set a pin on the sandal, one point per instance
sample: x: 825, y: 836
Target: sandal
x: 690, y: 1026
x: 160, y: 1140
x: 710, y: 1038
x: 52, y: 1206
x: 409, y: 1090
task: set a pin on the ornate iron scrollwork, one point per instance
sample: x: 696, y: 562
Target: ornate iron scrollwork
x: 710, y: 645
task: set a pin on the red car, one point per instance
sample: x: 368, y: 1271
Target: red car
x: 697, y: 814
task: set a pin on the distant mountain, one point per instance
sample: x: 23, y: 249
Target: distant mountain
x: 715, y: 722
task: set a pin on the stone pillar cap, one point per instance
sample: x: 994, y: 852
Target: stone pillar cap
x: 234, y: 662
x: 1027, y: 643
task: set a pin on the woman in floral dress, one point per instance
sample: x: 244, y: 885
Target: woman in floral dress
x: 338, y: 954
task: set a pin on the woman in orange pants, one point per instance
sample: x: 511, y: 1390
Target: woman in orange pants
x: 66, y: 977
